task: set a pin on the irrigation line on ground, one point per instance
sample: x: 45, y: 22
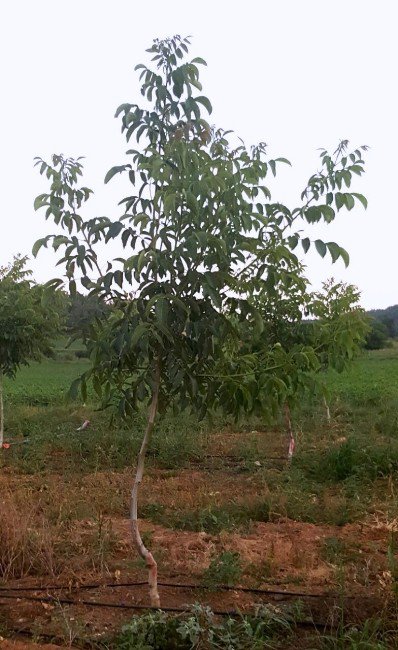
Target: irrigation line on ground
x: 96, y: 603
x: 173, y: 610
x: 199, y: 587
x: 77, y: 587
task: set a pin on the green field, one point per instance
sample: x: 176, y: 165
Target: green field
x: 373, y: 377
x: 47, y: 382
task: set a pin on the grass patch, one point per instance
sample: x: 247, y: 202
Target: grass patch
x: 373, y: 634
x: 352, y: 458
x: 215, y: 519
x: 46, y: 439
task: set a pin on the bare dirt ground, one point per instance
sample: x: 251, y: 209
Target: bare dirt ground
x: 71, y: 530
x: 282, y: 555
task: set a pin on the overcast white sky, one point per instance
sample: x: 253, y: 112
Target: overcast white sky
x: 297, y: 74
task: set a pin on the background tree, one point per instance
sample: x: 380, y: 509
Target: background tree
x: 82, y: 312
x: 389, y: 317
x: 377, y: 337
x: 340, y: 325
x: 28, y: 323
x: 338, y: 330
x: 300, y: 349
x: 203, y: 239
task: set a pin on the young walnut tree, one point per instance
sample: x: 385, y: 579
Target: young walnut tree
x: 27, y: 324
x: 203, y: 242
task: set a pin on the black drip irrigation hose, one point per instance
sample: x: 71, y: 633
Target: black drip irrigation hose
x: 174, y: 585
x: 233, y: 613
x: 76, y: 587
x: 96, y: 603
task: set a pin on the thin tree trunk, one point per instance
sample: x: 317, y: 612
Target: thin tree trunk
x: 1, y: 411
x: 141, y: 548
x: 292, y: 442
x: 327, y: 409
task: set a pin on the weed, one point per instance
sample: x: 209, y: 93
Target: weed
x: 26, y: 545
x: 224, y: 569
x: 336, y: 551
x: 393, y: 563
x: 103, y: 543
x: 71, y: 628
x: 371, y: 635
x: 387, y: 421
x: 154, y: 511
x: 176, y: 440
x: 201, y: 629
x: 261, y: 572
x: 352, y: 458
x: 214, y: 519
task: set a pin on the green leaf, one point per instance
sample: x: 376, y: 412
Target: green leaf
x: 361, y: 198
x: 141, y: 261
x: 320, y: 247
x: 162, y: 310
x: 83, y: 389
x: 41, y: 201
x: 328, y: 213
x: 138, y: 333
x: 97, y: 386
x: 118, y: 278
x: 169, y: 202
x: 60, y: 240
x: 284, y: 160
x: 305, y: 244
x: 199, y: 60
x: 349, y: 201
x: 339, y: 198
x: 314, y: 213
x: 273, y: 166
x: 38, y: 244
x: 114, y: 230
x: 258, y: 322
x: 205, y: 102
x: 345, y: 256
x: 115, y: 170
x: 334, y: 250
x: 73, y: 391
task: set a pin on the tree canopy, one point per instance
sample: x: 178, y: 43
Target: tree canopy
x: 204, y: 239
